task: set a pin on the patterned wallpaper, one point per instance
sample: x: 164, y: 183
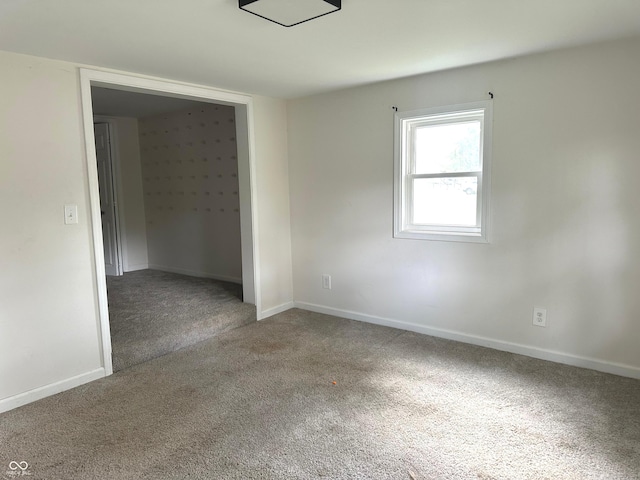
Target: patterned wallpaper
x: 190, y: 183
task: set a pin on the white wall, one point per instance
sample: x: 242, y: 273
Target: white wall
x: 48, y: 320
x: 272, y: 203
x: 191, y: 191
x: 49, y: 326
x: 130, y: 198
x: 565, y: 228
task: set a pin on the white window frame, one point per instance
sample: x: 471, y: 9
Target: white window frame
x: 405, y: 123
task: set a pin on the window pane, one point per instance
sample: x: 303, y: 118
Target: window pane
x: 448, y: 201
x: 454, y: 147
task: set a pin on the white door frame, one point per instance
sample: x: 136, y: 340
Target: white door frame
x: 114, y: 184
x: 246, y: 178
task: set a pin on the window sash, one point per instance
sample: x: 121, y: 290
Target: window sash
x: 406, y: 125
x: 409, y: 195
x: 411, y: 125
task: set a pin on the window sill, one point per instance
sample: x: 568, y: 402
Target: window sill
x: 442, y: 236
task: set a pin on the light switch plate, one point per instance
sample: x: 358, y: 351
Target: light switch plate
x: 70, y: 214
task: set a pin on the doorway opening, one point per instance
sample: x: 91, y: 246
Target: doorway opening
x: 181, y: 198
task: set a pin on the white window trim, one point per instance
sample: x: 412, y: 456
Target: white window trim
x: 402, y: 193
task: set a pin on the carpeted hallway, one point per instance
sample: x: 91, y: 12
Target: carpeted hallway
x: 152, y: 313
x: 305, y: 396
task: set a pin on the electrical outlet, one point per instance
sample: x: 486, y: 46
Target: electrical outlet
x: 326, y: 281
x: 539, y: 317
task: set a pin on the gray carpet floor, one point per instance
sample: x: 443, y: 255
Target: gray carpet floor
x: 152, y: 313
x: 304, y: 396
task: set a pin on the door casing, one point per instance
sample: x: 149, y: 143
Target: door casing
x: 108, y: 199
x: 246, y: 177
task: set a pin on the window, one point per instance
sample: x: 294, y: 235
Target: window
x: 442, y: 176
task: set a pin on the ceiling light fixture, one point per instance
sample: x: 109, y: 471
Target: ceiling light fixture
x: 290, y: 12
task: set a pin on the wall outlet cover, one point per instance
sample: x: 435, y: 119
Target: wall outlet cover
x: 540, y: 317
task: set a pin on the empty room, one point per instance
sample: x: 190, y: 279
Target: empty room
x: 428, y: 211
x: 170, y: 218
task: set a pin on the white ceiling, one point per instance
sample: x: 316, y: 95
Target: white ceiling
x: 213, y: 42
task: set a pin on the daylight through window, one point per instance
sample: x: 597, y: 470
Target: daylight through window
x: 442, y: 172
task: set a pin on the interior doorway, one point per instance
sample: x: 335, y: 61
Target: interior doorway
x: 243, y: 114
x: 108, y: 211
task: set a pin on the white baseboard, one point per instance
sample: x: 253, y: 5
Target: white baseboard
x: 135, y: 267
x: 16, y: 401
x: 196, y: 273
x: 275, y: 310
x: 542, y: 354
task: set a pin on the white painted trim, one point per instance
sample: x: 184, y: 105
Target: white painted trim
x: 16, y: 401
x: 100, y: 282
x: 402, y: 161
x: 269, y: 312
x: 540, y: 353
x: 195, y: 273
x: 118, y: 194
x: 137, y: 266
x: 245, y: 145
x: 144, y: 84
x: 253, y: 175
